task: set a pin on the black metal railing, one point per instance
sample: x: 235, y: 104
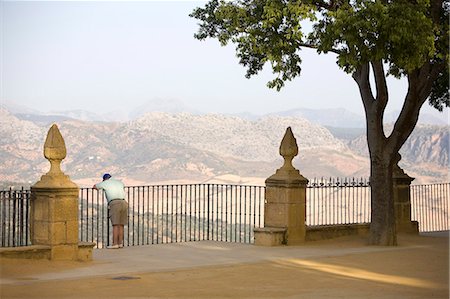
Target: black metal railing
x: 430, y: 206
x: 181, y: 213
x: 177, y: 213
x: 337, y: 201
x: 15, y: 217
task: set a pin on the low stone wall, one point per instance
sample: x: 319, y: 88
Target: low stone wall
x: 44, y: 252
x: 324, y: 232
x: 270, y: 236
x: 40, y: 252
x: 277, y: 236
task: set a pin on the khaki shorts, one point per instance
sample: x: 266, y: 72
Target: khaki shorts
x: 118, y: 212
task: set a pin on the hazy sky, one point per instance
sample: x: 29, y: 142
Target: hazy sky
x: 105, y: 56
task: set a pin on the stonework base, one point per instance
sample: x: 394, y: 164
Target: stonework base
x: 325, y: 232
x: 285, y: 209
x: 270, y: 236
x: 85, y: 250
x: 35, y: 252
x: 411, y: 227
x: 82, y: 252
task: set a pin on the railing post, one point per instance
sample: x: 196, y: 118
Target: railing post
x: 285, y: 201
x: 402, y: 200
x: 54, y: 207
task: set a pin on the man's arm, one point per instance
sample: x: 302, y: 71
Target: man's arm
x: 97, y: 186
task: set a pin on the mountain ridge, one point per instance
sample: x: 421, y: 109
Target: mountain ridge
x: 328, y: 117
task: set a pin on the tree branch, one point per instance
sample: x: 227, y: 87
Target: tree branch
x: 420, y: 83
x: 361, y: 76
x: 381, y: 86
x: 322, y: 4
x: 436, y: 6
x: 312, y: 46
x: 331, y: 5
x: 428, y: 76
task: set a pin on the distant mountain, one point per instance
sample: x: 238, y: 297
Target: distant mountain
x: 165, y: 146
x: 346, y: 134
x: 160, y: 105
x: 338, y: 117
x: 236, y: 137
x: 342, y: 118
x: 112, y: 116
x: 14, y: 108
x: 424, y: 118
x: 42, y: 119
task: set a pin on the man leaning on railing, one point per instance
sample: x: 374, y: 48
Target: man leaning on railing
x: 117, y: 207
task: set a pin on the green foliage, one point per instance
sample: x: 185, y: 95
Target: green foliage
x: 400, y: 33
x: 264, y: 31
x: 439, y: 97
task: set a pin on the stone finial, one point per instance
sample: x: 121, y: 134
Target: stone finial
x: 54, y: 152
x: 396, y: 169
x: 287, y: 175
x: 398, y: 172
x: 288, y: 149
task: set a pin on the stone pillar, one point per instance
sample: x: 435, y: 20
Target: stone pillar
x: 54, y: 206
x: 402, y: 200
x: 285, y: 201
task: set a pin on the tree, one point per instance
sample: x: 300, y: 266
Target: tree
x: 371, y: 39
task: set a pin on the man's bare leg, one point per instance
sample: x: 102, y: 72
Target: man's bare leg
x: 116, y: 233
x: 121, y: 232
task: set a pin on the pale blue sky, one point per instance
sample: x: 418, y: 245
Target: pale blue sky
x: 105, y: 56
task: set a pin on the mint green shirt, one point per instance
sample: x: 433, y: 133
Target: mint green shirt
x: 113, y: 189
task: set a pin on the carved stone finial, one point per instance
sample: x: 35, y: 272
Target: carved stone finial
x: 398, y: 172
x: 396, y: 169
x: 287, y: 175
x: 55, y: 152
x: 288, y: 149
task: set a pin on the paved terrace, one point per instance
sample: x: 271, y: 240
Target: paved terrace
x: 341, y: 268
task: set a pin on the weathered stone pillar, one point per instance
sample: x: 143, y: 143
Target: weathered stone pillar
x: 54, y: 207
x: 402, y: 200
x: 285, y: 201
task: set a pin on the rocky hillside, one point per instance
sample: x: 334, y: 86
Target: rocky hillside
x: 163, y: 146
x: 425, y: 154
x: 232, y: 136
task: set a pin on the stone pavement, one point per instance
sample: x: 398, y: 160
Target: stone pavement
x: 417, y: 268
x: 178, y: 256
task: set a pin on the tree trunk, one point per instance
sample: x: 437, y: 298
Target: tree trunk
x: 382, y: 228
x: 382, y: 149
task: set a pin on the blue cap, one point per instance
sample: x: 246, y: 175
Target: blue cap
x: 106, y: 176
